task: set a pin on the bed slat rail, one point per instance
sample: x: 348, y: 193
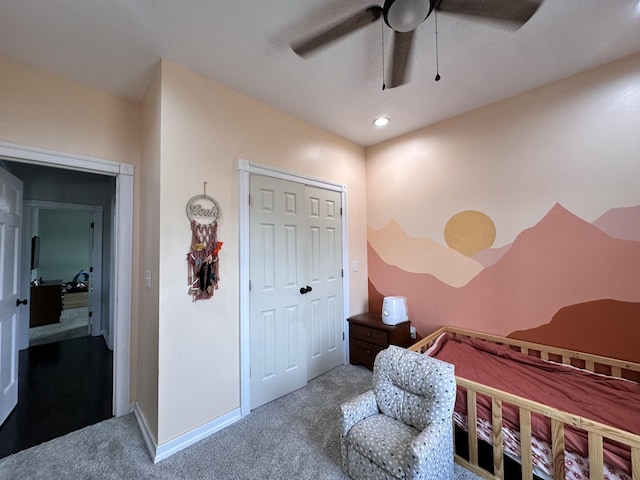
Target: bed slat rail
x: 525, y: 444
x: 472, y: 426
x: 497, y: 439
x: 557, y: 448
x: 635, y: 462
x: 596, y: 467
x: 596, y: 432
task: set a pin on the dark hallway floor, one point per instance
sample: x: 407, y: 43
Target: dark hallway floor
x: 63, y: 386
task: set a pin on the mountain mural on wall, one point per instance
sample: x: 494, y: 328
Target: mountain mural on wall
x: 421, y: 255
x: 559, y: 262
x: 489, y: 256
x: 573, y: 326
x: 622, y: 223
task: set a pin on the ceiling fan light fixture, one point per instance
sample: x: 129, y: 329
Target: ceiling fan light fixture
x: 381, y: 122
x: 406, y: 15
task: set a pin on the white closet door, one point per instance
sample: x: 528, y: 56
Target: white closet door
x: 277, y: 323
x: 325, y: 344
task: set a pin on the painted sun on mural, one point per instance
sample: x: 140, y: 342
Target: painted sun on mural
x: 469, y: 232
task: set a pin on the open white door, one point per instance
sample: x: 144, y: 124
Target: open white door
x: 10, y: 239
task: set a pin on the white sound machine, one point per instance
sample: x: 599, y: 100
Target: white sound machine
x: 394, y: 310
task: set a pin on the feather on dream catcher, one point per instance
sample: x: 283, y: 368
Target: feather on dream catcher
x: 203, y: 261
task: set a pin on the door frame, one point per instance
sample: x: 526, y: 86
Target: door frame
x: 245, y: 169
x: 121, y: 281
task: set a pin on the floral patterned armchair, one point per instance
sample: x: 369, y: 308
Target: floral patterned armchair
x: 402, y: 428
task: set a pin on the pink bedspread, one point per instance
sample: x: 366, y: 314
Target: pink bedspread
x: 607, y: 400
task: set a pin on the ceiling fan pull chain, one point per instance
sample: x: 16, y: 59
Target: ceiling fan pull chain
x: 435, y: 16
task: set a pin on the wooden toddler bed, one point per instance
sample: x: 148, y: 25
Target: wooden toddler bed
x: 560, y: 413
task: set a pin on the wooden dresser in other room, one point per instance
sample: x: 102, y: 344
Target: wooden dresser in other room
x: 46, y: 304
x: 368, y: 336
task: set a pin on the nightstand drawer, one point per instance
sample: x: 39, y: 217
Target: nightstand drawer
x: 369, y: 335
x: 362, y: 353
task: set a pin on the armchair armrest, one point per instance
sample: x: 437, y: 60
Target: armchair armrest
x: 430, y: 454
x: 357, y: 409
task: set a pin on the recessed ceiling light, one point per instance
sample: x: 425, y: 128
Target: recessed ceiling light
x: 381, y: 121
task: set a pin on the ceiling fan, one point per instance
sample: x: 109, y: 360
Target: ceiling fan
x: 404, y: 16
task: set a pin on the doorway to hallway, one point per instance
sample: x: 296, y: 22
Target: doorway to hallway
x: 117, y: 321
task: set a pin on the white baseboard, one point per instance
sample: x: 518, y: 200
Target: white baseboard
x: 146, y: 433
x: 160, y: 452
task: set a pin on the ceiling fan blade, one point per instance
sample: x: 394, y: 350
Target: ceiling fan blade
x: 345, y: 27
x: 514, y: 11
x: 402, y: 45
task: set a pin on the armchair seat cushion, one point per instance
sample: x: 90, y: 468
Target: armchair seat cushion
x: 382, y: 440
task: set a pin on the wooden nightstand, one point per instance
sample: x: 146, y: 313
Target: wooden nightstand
x: 368, y: 336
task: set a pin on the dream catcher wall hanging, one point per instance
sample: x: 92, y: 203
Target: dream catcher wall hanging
x: 203, y: 261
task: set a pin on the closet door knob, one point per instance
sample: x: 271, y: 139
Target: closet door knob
x: 21, y: 302
x: 304, y: 290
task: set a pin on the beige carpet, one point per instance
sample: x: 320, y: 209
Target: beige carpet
x: 294, y: 437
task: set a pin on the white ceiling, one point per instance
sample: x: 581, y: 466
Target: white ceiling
x: 244, y: 44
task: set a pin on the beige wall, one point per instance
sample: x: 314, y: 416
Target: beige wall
x: 149, y: 225
x: 206, y: 129
x: 574, y: 142
x: 43, y: 110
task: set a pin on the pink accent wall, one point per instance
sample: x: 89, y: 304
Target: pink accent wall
x: 561, y: 261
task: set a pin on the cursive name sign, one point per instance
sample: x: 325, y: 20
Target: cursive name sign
x: 203, y: 209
